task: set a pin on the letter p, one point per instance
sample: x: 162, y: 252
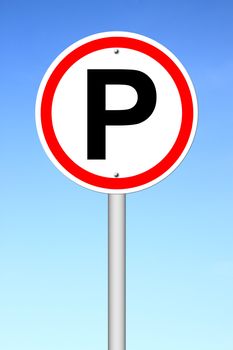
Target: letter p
x: 97, y: 115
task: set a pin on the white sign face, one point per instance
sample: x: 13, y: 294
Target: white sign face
x: 116, y: 112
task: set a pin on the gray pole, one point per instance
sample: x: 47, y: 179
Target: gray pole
x: 116, y: 272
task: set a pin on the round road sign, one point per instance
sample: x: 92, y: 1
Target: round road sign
x: 116, y: 112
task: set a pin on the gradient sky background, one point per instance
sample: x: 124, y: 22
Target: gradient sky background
x: 53, y: 233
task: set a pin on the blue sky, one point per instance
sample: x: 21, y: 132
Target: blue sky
x: 53, y: 233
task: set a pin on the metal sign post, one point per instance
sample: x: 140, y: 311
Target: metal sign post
x: 116, y: 272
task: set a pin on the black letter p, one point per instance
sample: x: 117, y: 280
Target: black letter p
x: 98, y: 117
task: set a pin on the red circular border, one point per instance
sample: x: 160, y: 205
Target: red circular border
x: 133, y: 181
